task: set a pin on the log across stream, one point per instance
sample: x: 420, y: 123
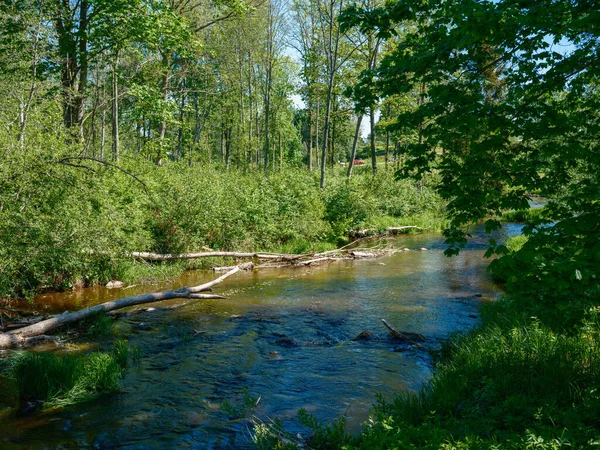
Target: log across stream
x: 285, y: 336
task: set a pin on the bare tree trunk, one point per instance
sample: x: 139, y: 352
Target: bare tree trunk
x: 228, y: 133
x: 83, y: 65
x: 310, y: 139
x: 280, y: 153
x: 332, y: 48
x: 103, y: 133
x: 326, y: 128
x: 196, y: 120
x: 373, y: 147
x: 354, y: 145
x: 387, y: 142
x: 179, y: 154
x: 223, y: 143
x: 420, y: 129
x: 165, y: 93
x: 115, y: 108
x: 33, y: 88
x: 317, y: 135
x: 372, y: 62
x: 269, y: 82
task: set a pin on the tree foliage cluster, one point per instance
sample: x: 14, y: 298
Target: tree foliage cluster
x: 195, y: 80
x: 509, y: 109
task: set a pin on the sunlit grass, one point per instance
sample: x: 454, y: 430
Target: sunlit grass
x: 59, y: 380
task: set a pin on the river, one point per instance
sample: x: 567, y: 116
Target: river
x: 282, y: 340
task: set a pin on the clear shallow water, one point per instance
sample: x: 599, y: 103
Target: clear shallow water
x: 282, y: 335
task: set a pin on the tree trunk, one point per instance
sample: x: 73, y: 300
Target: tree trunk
x: 387, y: 140
x: 310, y: 139
x: 317, y: 134
x: 280, y: 153
x: 115, y: 109
x: 83, y: 65
x: 354, y: 145
x: 179, y: 154
x: 373, y: 147
x: 326, y: 128
x: 165, y: 94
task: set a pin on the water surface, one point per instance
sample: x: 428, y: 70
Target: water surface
x: 283, y: 338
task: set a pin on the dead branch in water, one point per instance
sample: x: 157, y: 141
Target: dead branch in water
x: 24, y: 335
x: 405, y: 336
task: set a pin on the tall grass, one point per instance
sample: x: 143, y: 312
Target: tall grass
x: 58, y: 380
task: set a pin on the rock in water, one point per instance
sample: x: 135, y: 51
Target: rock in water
x: 363, y: 336
x: 286, y: 342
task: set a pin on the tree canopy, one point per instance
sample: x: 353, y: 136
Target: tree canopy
x: 511, y: 110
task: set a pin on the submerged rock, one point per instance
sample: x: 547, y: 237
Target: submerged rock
x: 275, y: 356
x: 286, y: 342
x: 364, y: 336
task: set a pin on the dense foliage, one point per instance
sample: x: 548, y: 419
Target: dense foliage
x: 510, y: 108
x: 62, y: 226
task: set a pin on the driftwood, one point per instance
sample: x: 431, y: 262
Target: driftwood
x: 398, y: 229
x: 316, y: 260
x: 405, y: 336
x: 23, y: 335
x: 276, y: 260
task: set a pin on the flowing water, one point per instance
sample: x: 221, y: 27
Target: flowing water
x: 281, y: 341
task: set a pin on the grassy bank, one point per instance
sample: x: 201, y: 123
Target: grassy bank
x: 70, y: 227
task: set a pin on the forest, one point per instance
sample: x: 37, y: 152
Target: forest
x: 169, y: 126
x: 177, y: 126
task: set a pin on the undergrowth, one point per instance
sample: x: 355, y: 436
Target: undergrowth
x: 78, y: 232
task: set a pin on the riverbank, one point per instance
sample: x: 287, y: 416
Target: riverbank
x: 76, y: 230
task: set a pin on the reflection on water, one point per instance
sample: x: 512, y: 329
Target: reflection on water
x: 284, y: 336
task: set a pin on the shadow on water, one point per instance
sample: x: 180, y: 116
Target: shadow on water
x: 283, y: 338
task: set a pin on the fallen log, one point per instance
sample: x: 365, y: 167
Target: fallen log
x: 406, y: 227
x: 363, y: 254
x: 169, y: 256
x: 244, y: 266
x: 21, y: 336
x: 408, y: 337
x: 311, y: 261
